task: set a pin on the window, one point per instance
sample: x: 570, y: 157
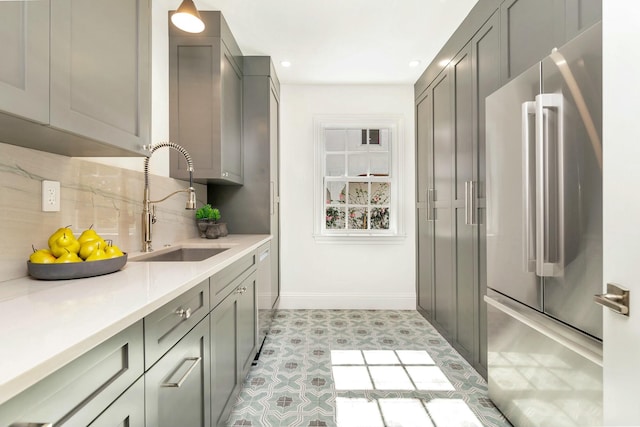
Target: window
x: 357, y: 188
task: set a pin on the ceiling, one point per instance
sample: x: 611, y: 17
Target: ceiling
x: 342, y: 41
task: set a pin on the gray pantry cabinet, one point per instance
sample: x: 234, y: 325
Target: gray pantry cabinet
x: 91, y: 92
x: 494, y: 43
x: 254, y: 208
x: 205, y: 101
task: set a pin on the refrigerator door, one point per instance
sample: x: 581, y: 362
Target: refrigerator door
x: 574, y: 225
x: 540, y: 372
x: 510, y: 166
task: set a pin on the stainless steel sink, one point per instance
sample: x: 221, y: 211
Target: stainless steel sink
x: 180, y: 255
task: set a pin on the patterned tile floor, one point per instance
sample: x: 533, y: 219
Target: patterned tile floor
x: 369, y: 368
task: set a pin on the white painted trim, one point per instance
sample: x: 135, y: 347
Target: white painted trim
x: 361, y: 239
x: 315, y: 300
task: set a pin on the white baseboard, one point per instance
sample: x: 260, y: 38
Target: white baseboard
x: 300, y: 301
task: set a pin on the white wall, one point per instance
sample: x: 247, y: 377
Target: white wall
x: 621, y: 151
x: 330, y: 275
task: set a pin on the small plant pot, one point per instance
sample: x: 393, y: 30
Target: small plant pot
x: 222, y: 228
x: 213, y: 231
x: 203, y: 224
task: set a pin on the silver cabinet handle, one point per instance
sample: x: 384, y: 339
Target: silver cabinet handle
x: 241, y: 290
x: 31, y: 425
x: 528, y: 195
x: 549, y: 176
x: 185, y: 314
x: 616, y: 298
x: 466, y: 203
x: 470, y: 203
x: 431, y: 210
x: 195, y: 361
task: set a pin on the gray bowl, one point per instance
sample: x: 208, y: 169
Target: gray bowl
x: 75, y: 270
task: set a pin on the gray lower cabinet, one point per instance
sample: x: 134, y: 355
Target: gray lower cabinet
x: 78, y: 393
x: 233, y: 346
x: 177, y: 387
x: 127, y: 410
x: 92, y: 92
x: 205, y: 101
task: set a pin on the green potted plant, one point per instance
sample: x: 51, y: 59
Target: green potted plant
x: 206, y: 216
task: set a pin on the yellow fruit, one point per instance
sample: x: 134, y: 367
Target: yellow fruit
x: 88, y: 247
x: 67, y: 242
x: 68, y: 257
x: 88, y: 235
x: 59, y: 232
x: 97, y: 255
x: 42, y: 256
x: 112, y: 250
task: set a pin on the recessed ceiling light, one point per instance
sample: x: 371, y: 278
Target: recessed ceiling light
x: 414, y: 63
x: 285, y: 64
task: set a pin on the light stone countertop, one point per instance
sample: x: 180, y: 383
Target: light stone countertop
x: 46, y: 324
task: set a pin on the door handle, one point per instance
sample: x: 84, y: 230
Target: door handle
x: 528, y: 195
x: 549, y: 188
x: 431, y: 210
x: 616, y: 298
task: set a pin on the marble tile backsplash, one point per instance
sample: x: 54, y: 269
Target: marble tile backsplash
x: 108, y: 197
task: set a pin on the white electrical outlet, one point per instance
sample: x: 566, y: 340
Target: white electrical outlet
x: 50, y: 196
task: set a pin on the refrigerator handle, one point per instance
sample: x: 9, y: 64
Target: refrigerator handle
x: 549, y: 185
x: 528, y: 195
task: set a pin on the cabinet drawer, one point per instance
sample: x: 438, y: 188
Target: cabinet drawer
x: 127, y: 411
x: 78, y: 392
x: 225, y: 281
x: 165, y: 326
x: 177, y: 388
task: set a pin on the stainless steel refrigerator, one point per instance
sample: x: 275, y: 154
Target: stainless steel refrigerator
x: 544, y: 239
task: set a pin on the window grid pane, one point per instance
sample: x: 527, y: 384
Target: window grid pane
x: 357, y: 166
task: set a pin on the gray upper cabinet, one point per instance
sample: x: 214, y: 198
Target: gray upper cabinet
x: 91, y: 90
x: 205, y: 101
x: 580, y: 15
x: 100, y: 86
x: 24, y: 69
x: 529, y: 30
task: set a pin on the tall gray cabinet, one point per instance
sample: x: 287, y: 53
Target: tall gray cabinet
x: 494, y: 43
x: 254, y: 207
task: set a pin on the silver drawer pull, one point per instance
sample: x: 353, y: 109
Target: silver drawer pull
x: 31, y: 425
x: 241, y: 290
x: 195, y: 361
x: 185, y: 314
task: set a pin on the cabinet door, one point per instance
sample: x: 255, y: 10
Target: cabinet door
x: 247, y: 325
x: 529, y: 30
x: 77, y: 393
x: 444, y: 290
x: 424, y: 184
x: 100, y: 85
x: 580, y: 15
x: 178, y: 386
x: 231, y: 118
x: 486, y: 61
x: 274, y: 154
x: 24, y: 49
x: 462, y: 215
x: 224, y: 358
x: 127, y: 410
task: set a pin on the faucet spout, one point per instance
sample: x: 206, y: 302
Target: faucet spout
x: 148, y: 205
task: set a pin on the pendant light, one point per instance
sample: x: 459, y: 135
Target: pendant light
x: 187, y: 18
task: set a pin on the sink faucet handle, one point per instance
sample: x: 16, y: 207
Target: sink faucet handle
x: 153, y: 214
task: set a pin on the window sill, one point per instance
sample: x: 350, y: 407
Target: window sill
x: 360, y: 239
